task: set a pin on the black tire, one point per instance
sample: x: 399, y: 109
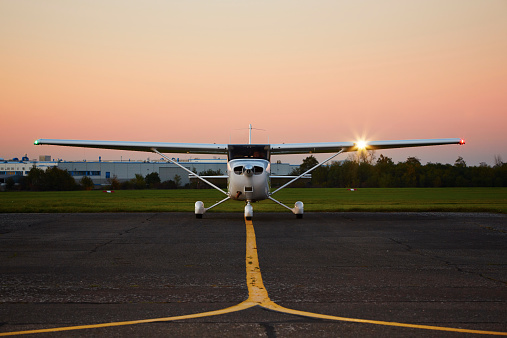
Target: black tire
x: 299, y: 216
x: 198, y: 216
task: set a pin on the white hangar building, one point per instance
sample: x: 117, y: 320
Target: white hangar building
x: 101, y: 171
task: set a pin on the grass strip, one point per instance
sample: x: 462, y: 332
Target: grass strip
x: 315, y: 200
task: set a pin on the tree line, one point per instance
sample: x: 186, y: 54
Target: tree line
x: 359, y: 170
x: 55, y: 179
x: 364, y: 170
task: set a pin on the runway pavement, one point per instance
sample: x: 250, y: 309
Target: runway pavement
x: 369, y: 274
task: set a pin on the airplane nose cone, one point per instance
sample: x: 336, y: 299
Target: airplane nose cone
x: 248, y: 170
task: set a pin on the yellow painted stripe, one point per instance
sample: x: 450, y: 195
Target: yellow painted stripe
x: 257, y: 293
x: 235, y: 308
x: 275, y: 307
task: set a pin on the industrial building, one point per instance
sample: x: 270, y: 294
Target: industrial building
x: 16, y: 168
x: 102, y: 171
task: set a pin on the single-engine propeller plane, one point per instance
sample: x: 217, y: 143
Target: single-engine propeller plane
x: 248, y: 165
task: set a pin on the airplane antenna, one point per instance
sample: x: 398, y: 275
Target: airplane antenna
x: 249, y: 133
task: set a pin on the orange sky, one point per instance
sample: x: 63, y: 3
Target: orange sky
x: 305, y: 71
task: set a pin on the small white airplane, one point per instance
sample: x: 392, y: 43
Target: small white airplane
x: 248, y: 165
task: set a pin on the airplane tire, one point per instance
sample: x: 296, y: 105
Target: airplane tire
x: 248, y: 218
x: 198, y: 216
x: 299, y: 216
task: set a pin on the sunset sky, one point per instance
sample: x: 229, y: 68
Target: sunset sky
x: 304, y: 71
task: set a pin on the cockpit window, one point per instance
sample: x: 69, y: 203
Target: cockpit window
x: 257, y: 151
x: 238, y: 170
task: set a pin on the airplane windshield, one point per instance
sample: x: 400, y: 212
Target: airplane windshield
x: 258, y: 151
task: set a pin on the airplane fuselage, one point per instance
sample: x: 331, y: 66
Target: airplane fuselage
x: 248, y: 179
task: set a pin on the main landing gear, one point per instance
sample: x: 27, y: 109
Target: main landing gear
x: 199, y: 209
x: 298, y: 209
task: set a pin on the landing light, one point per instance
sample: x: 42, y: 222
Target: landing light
x: 361, y: 145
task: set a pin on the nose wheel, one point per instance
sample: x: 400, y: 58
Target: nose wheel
x: 248, y: 211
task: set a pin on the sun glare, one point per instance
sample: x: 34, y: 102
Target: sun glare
x: 361, y: 145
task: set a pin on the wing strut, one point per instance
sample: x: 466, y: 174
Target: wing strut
x: 283, y: 205
x: 189, y: 171
x: 217, y: 203
x: 306, y: 172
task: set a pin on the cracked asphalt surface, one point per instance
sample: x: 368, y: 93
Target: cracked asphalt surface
x: 442, y: 269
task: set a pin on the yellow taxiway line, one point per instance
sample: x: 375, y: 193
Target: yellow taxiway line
x: 257, y: 296
x: 235, y: 308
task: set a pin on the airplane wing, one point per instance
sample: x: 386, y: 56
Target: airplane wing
x: 333, y: 147
x: 163, y: 147
x: 276, y: 149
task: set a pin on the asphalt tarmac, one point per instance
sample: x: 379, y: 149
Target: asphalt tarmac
x: 424, y: 271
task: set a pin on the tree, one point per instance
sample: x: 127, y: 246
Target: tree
x: 86, y: 183
x: 169, y: 184
x: 334, y: 174
x: 350, y: 174
x: 52, y: 179
x: 177, y: 181
x: 498, y: 161
x: 410, y: 171
x: 35, y: 179
x: 139, y: 182
x: 320, y: 176
x: 460, y: 162
x: 114, y: 183
x: 152, y: 180
x: 211, y: 172
x: 363, y: 156
x: 413, y: 161
x: 385, y: 171
x: 307, y: 164
x: 9, y: 183
x: 60, y: 180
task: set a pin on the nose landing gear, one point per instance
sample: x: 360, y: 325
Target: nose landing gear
x: 248, y: 211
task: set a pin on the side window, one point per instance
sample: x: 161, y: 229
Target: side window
x: 108, y: 174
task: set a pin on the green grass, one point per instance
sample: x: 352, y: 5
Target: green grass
x: 331, y: 199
